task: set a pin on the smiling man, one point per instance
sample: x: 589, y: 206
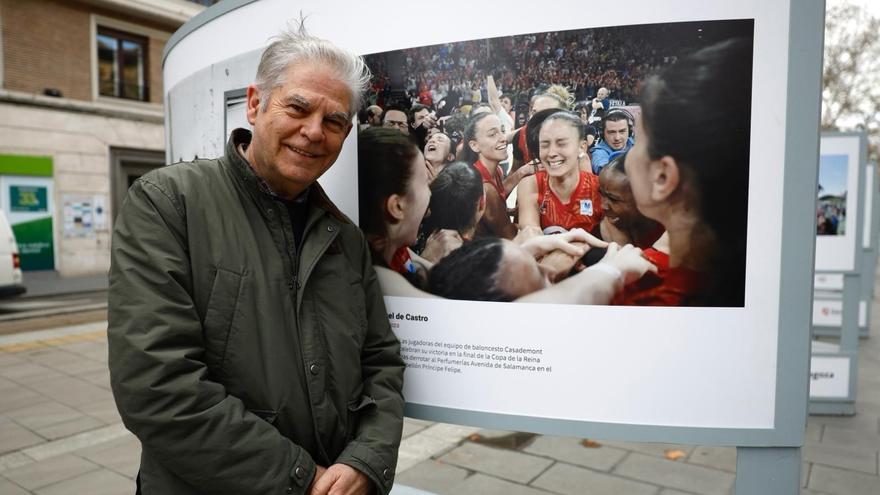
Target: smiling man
x: 617, y: 138
x: 250, y: 351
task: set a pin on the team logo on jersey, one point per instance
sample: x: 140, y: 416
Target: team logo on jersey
x: 587, y: 207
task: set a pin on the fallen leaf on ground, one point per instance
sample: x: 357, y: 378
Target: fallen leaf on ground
x: 674, y: 454
x: 592, y: 444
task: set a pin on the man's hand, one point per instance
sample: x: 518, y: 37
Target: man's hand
x: 340, y: 479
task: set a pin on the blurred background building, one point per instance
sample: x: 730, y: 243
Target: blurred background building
x: 82, y: 117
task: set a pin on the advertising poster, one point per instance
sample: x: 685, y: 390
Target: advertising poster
x: 28, y: 202
x: 78, y: 215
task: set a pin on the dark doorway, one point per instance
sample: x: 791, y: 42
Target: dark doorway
x: 126, y: 165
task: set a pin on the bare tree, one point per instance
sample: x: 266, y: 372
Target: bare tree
x: 851, y: 74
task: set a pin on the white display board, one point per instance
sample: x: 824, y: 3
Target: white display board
x: 701, y: 368
x: 829, y: 377
x: 838, y: 203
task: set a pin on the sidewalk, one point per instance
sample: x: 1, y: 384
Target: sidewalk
x: 60, y: 434
x: 50, y: 283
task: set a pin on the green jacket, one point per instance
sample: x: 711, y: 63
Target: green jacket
x: 238, y: 362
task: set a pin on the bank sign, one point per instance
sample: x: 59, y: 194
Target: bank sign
x: 27, y: 199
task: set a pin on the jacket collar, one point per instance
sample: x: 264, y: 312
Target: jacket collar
x: 245, y: 173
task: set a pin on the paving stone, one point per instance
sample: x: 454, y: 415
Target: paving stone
x: 19, y: 397
x: 82, y: 366
x: 122, y: 455
x: 813, y: 432
x: 485, y: 433
x: 410, y: 427
x: 7, y: 359
x: 450, y: 432
x: 723, y: 458
x: 480, y: 484
x: 574, y: 480
x: 70, y: 391
x: 44, y: 473
x: 655, y: 449
x: 8, y: 488
x: 862, y: 422
x: 14, y: 437
x: 100, y: 378
x: 52, y: 357
x: 100, y: 482
x: 68, y: 428
x: 421, y: 422
x: 852, y: 458
x: 28, y: 372
x: 43, y: 414
x: 419, y: 447
x: 845, y: 437
x: 673, y: 474
x: 506, y: 464
x: 432, y: 476
x: 571, y: 450
x: 669, y: 491
x: 842, y: 482
x: 7, y: 384
x: 104, y: 410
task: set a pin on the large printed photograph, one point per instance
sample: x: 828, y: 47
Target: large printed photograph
x: 831, y: 204
x: 592, y: 166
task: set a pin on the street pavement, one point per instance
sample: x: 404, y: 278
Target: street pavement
x: 60, y: 433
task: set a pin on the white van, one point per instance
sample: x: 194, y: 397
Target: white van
x: 10, y: 262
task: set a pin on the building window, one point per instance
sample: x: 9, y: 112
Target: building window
x: 122, y: 65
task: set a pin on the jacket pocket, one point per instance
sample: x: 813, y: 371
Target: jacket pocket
x: 220, y: 316
x: 356, y: 409
x: 266, y: 415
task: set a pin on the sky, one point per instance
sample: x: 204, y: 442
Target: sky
x: 872, y: 5
x: 832, y: 174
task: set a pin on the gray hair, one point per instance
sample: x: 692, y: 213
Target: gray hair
x: 296, y: 45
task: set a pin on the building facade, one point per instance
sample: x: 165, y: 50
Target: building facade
x: 81, y: 117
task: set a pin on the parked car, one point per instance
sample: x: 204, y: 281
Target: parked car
x: 11, y: 282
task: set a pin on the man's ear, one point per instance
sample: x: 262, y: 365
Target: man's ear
x: 253, y: 103
x: 394, y: 207
x: 665, y: 178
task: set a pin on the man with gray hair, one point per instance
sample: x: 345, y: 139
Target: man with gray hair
x: 250, y: 350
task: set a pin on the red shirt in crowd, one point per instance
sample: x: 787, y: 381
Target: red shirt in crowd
x: 497, y: 182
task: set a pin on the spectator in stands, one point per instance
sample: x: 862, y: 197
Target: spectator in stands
x: 617, y: 137
x: 374, y: 116
x: 439, y: 152
x: 598, y: 106
x: 395, y: 118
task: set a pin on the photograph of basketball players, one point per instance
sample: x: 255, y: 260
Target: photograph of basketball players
x: 831, y: 209
x: 593, y: 166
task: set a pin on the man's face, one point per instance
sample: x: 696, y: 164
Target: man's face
x: 616, y: 134
x: 419, y: 117
x: 396, y: 119
x: 506, y: 104
x: 375, y: 118
x: 299, y: 134
x: 602, y: 93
